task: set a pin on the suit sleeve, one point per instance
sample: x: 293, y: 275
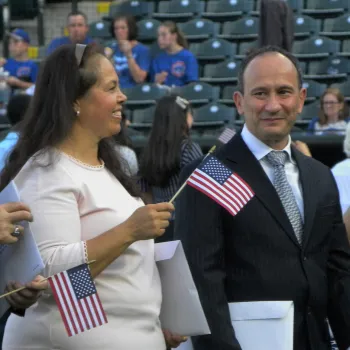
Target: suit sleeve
x: 198, y: 225
x: 339, y: 278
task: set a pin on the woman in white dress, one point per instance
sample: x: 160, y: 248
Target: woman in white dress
x: 86, y: 208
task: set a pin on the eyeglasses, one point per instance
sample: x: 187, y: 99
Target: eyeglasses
x: 330, y: 103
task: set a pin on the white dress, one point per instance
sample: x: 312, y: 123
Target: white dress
x: 72, y: 203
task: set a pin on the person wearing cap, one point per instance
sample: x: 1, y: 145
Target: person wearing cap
x: 23, y: 71
x: 77, y: 32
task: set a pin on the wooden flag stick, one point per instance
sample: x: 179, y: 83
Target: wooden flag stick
x: 185, y: 183
x: 45, y: 279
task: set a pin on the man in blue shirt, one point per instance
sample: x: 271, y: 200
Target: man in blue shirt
x: 77, y: 32
x: 22, y: 70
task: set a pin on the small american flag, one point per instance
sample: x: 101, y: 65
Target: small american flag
x: 226, y: 135
x: 221, y: 184
x: 77, y: 299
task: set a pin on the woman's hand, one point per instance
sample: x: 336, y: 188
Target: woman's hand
x: 149, y: 221
x: 303, y: 148
x: 173, y: 340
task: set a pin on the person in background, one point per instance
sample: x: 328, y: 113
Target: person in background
x: 16, y: 109
x: 333, y: 115
x: 22, y: 70
x: 86, y: 208
x: 168, y: 150
x: 341, y: 173
x: 125, y: 148
x: 77, y: 25
x: 130, y: 58
x: 177, y: 66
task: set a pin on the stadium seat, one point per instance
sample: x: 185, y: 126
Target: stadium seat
x: 179, y: 9
x: 244, y: 28
x: 314, y: 89
x: 226, y: 10
x: 23, y: 9
x: 345, y: 48
x: 134, y: 8
x: 147, y: 29
x: 310, y: 111
x: 224, y: 72
x: 100, y: 30
x: 331, y: 68
x: 213, y: 49
x: 154, y: 49
x: 143, y: 94
x: 337, y: 27
x: 198, y: 93
x: 199, y: 29
x: 227, y: 95
x: 315, y: 47
x: 143, y: 118
x: 295, y: 5
x: 245, y: 47
x: 325, y: 7
x: 344, y: 88
x: 305, y: 26
x: 213, y: 114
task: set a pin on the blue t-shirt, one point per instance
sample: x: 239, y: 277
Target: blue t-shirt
x: 55, y: 43
x: 182, y: 67
x: 26, y: 70
x: 141, y: 54
x: 6, y: 147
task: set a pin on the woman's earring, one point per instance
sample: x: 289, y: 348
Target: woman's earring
x: 77, y: 113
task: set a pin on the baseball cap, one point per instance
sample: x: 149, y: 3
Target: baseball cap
x: 20, y: 34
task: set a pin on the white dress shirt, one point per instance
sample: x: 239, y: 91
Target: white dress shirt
x: 341, y: 173
x: 260, y: 150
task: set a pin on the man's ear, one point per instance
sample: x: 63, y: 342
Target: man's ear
x: 238, y: 99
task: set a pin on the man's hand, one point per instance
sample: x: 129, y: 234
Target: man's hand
x: 28, y: 296
x: 173, y: 340
x: 10, y: 214
x: 14, y: 82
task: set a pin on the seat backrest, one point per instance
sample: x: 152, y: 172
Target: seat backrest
x: 215, y: 112
x: 227, y: 6
x: 243, y: 26
x: 314, y: 88
x: 144, y: 115
x: 330, y: 66
x: 246, y: 46
x: 198, y: 27
x: 228, y: 68
x: 316, y: 44
x: 148, y: 29
x: 306, y: 25
x: 23, y: 9
x: 343, y: 87
x: 198, y: 91
x: 134, y: 8
x: 100, y: 29
x: 144, y: 92
x: 213, y: 48
x: 180, y: 6
x: 326, y: 4
x: 227, y: 92
x: 338, y: 24
x: 310, y: 111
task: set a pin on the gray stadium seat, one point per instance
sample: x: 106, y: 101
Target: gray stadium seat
x: 147, y: 29
x: 213, y: 114
x: 134, y: 8
x: 225, y: 10
x: 178, y: 9
x: 337, y: 27
x: 224, y: 72
x: 143, y: 118
x: 213, y: 49
x: 344, y: 88
x: 227, y: 95
x: 310, y: 111
x: 305, y: 26
x: 295, y: 5
x: 315, y: 47
x: 345, y: 48
x: 143, y: 94
x: 331, y: 68
x: 325, y: 7
x: 244, y: 28
x: 199, y: 29
x: 100, y: 30
x: 314, y: 89
x: 198, y: 93
x: 245, y: 47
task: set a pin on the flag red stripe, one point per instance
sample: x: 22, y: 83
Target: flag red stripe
x: 58, y: 302
x: 100, y: 322
x: 68, y: 289
x: 89, y: 312
x: 83, y: 313
x: 237, y: 189
x: 101, y: 308
x: 248, y: 188
x: 232, y: 195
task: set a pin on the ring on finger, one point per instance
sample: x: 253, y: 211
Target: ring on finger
x: 16, y: 233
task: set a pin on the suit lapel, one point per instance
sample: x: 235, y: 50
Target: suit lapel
x: 241, y: 160
x: 308, y: 184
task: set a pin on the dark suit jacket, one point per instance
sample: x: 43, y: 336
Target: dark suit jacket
x: 255, y: 255
x: 276, y: 24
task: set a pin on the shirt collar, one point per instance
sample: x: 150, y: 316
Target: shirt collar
x: 260, y: 149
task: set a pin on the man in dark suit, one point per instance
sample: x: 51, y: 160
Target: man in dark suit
x: 289, y: 241
x: 276, y: 24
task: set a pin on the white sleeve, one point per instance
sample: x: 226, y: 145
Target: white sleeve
x: 53, y: 199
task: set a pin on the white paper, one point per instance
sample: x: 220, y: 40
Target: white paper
x: 181, y: 310
x: 263, y: 325
x: 20, y: 261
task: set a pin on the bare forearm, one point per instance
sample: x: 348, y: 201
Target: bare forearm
x: 107, y: 247
x: 136, y: 72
